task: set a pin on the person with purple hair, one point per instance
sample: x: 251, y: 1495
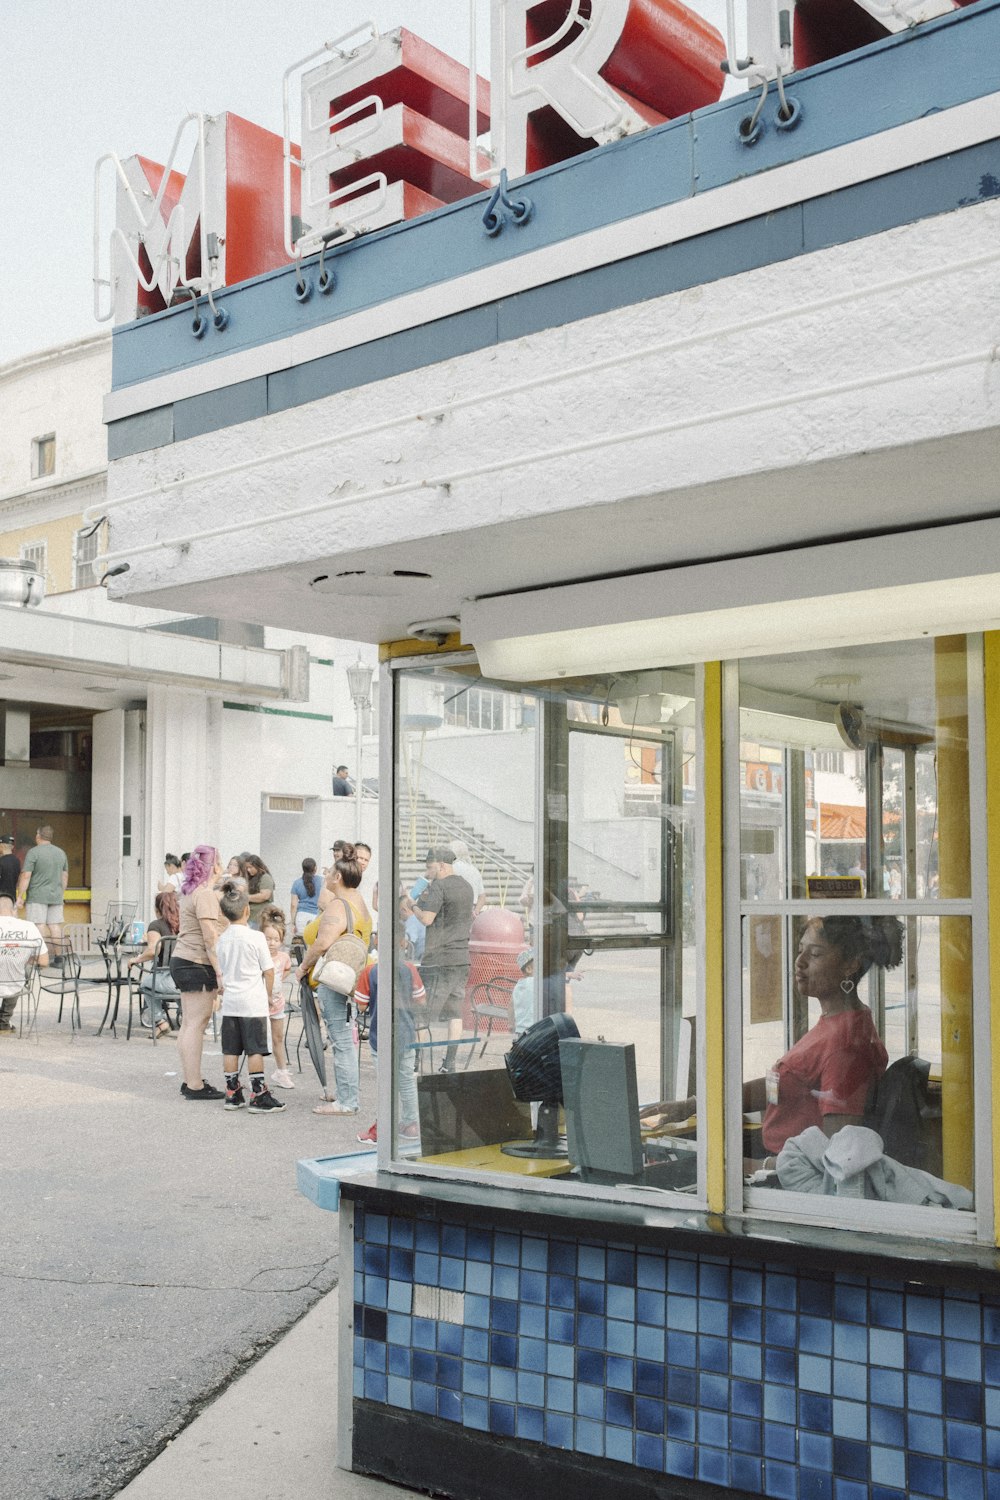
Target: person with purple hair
x: 194, y: 965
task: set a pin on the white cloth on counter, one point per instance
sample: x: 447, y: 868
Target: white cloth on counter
x: 853, y: 1164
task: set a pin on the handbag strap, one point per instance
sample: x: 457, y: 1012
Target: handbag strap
x: 350, y: 916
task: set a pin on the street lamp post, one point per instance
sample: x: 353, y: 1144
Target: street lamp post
x: 359, y: 681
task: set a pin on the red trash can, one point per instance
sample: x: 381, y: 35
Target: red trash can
x: 496, y: 939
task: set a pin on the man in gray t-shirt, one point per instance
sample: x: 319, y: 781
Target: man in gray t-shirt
x: 42, y: 882
x: 445, y: 909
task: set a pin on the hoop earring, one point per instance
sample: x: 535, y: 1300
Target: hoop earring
x: 847, y: 985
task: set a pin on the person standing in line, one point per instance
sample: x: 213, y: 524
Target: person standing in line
x: 346, y: 913
x: 21, y: 945
x: 466, y: 870
x: 247, y: 978
x: 42, y: 883
x: 10, y: 867
x: 173, y: 876
x: 445, y: 910
x: 273, y: 928
x: 194, y: 965
x: 260, y: 887
x: 305, y: 897
x: 342, y: 783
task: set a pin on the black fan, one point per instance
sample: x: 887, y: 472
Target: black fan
x: 536, y: 1078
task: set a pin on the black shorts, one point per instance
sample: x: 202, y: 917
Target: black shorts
x: 445, y: 990
x: 190, y: 977
x: 244, y: 1034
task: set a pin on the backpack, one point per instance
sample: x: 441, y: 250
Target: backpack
x: 901, y: 1111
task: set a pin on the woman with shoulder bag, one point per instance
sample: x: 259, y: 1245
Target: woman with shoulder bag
x: 338, y: 942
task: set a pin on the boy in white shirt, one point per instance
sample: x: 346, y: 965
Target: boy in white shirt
x: 247, y: 976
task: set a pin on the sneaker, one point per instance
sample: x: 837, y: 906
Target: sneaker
x: 446, y: 1068
x: 6, y: 1026
x: 235, y: 1098
x: 334, y: 1107
x: 264, y: 1102
x: 282, y: 1078
x: 205, y: 1092
x: 371, y: 1134
x: 410, y: 1132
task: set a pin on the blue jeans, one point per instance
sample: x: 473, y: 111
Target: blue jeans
x: 340, y: 1030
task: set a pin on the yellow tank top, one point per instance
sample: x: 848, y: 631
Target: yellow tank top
x: 362, y: 928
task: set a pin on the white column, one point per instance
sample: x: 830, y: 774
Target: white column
x: 183, y: 775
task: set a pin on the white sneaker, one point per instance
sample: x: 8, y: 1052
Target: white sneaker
x: 282, y: 1078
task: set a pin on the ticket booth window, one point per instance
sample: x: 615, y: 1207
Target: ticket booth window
x: 856, y: 931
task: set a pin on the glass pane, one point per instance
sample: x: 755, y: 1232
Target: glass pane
x: 571, y: 1009
x: 854, y: 767
x: 852, y: 1021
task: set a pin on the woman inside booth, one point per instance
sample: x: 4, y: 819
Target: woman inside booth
x: 826, y: 1078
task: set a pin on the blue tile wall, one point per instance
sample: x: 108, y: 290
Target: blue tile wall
x: 800, y: 1386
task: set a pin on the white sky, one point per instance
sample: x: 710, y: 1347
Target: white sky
x: 79, y: 79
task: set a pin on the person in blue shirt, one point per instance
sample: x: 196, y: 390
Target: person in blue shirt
x: 305, y: 897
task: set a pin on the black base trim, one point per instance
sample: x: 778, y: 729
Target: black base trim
x: 441, y: 1458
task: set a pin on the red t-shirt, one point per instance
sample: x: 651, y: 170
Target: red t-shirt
x: 828, y: 1072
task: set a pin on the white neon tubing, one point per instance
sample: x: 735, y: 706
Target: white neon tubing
x: 667, y: 346
x: 989, y: 355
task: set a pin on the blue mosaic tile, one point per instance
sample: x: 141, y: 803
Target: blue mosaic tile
x: 649, y: 1451
x: 680, y: 1459
x: 591, y: 1262
x: 531, y: 1424
x: 713, y: 1466
x: 590, y: 1437
x: 562, y: 1291
x: 530, y: 1354
x: 559, y: 1394
x: 507, y: 1249
x: 681, y: 1423
x: 478, y: 1278
x: 651, y: 1307
x: 651, y: 1272
x: 815, y: 1451
x: 558, y: 1430
x: 779, y: 1442
x: 745, y: 1435
x: 713, y: 1354
x: 562, y: 1257
x: 476, y: 1413
x: 780, y: 1480
x: 815, y: 1484
x: 746, y: 1360
x: 619, y: 1444
x: 398, y: 1392
x: 850, y: 1420
x: 503, y: 1350
x: 620, y: 1337
x: 478, y: 1244
x: 926, y: 1475
x: 501, y: 1419
x: 506, y: 1282
x: 650, y: 1343
x: 815, y: 1412
x: 682, y: 1274
x: 923, y: 1314
x: 621, y: 1303
x: 733, y: 1375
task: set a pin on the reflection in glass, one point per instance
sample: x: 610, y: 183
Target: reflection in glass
x: 588, y: 914
x: 846, y: 761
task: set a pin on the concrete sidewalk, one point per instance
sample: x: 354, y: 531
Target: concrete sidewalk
x: 275, y: 1428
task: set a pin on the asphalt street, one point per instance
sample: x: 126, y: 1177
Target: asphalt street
x: 150, y: 1249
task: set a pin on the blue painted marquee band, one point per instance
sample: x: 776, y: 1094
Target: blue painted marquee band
x: 939, y: 186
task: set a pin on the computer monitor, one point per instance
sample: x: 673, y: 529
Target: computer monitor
x: 601, y: 1100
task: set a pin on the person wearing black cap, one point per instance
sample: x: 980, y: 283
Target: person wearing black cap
x: 445, y: 909
x: 10, y: 867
